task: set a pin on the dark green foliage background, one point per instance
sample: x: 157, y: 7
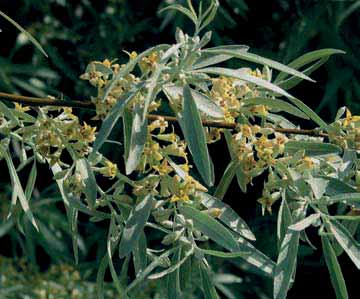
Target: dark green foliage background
x: 75, y: 32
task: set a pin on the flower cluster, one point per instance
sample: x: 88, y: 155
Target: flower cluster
x: 228, y: 92
x: 50, y: 135
x: 351, y: 126
x: 102, y: 74
x: 162, y: 178
x: 257, y: 148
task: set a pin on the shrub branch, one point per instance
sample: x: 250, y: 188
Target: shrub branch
x: 35, y: 101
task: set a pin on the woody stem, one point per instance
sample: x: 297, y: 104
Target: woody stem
x: 35, y: 101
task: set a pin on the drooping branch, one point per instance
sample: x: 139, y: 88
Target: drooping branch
x: 34, y: 101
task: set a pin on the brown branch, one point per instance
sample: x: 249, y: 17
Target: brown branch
x: 33, y: 101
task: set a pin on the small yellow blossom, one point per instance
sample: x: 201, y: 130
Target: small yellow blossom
x: 109, y: 170
x: 87, y: 133
x: 20, y: 108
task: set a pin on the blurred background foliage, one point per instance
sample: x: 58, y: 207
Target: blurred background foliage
x: 75, y: 32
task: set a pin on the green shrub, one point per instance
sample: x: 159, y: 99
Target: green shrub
x: 162, y: 222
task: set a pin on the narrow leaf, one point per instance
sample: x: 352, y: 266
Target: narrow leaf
x: 238, y: 74
x: 337, y: 279
x: 312, y: 148
x: 210, y: 227
x: 276, y: 104
x: 18, y: 190
x: 226, y: 255
x: 87, y: 175
x: 110, y: 121
x: 137, y: 141
x: 31, y: 182
x: 207, y: 285
x: 286, y: 264
x: 194, y: 133
x: 306, y: 59
x: 261, y: 60
x: 228, y: 216
x: 134, y: 226
x: 306, y: 222
x: 346, y: 241
x: 28, y: 35
x: 226, y: 179
x: 203, y: 103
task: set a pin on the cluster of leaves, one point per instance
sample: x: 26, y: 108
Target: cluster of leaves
x: 165, y: 191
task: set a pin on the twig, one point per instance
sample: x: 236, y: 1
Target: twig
x: 33, y: 101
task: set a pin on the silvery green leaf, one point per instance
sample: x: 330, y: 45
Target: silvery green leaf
x: 110, y: 121
x: 112, y: 241
x: 276, y: 104
x: 337, y: 279
x: 345, y: 198
x: 293, y: 81
x: 31, y: 182
x: 127, y: 127
x: 309, y: 112
x: 173, y: 267
x: 207, y: 284
x: 8, y: 113
x: 337, y: 187
x: 226, y: 255
x: 208, y: 59
x: 205, y: 40
x: 304, y: 223
x: 284, y: 220
x: 88, y: 177
x: 100, y: 277
x: 203, y: 103
x: 209, y: 15
x: 173, y: 279
x: 261, y: 263
x: 318, y: 186
x: 158, y: 260
x: 139, y: 253
x: 261, y: 60
x: 306, y: 59
x: 238, y: 74
x: 312, y: 148
x: 17, y: 188
x: 210, y: 227
x: 228, y: 216
x: 240, y: 176
x: 191, y: 125
x: 187, y: 12
x: 134, y: 226
x: 137, y: 140
x: 346, y: 241
x: 28, y: 35
x: 280, y: 121
x: 170, y: 52
x: 286, y: 264
x: 226, y: 179
x: 235, y: 48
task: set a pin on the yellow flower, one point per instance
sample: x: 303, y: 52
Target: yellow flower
x: 20, y: 108
x: 261, y: 110
x: 109, y: 170
x: 132, y: 55
x: 160, y: 124
x: 107, y: 63
x: 87, y: 133
x: 163, y: 168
